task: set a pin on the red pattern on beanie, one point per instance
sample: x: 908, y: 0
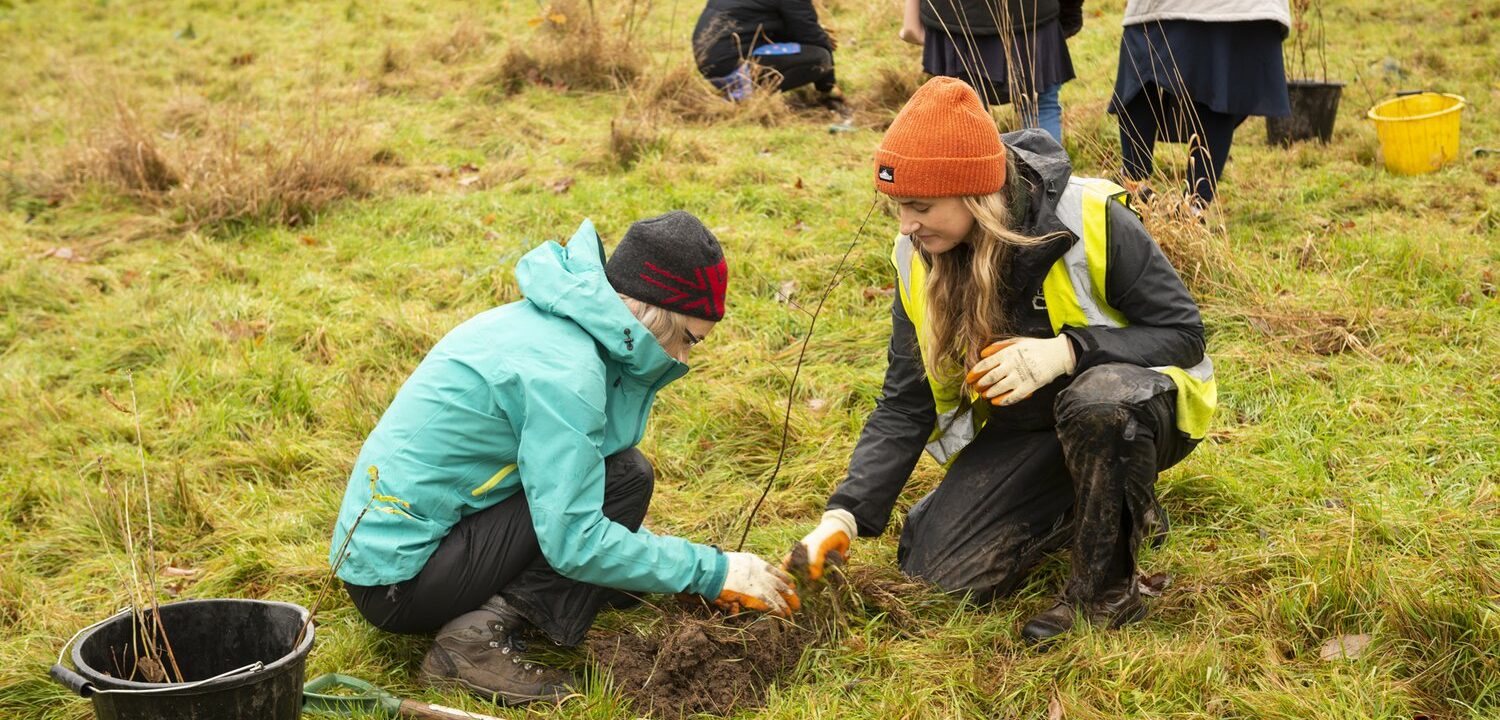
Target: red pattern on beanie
x: 943, y: 143
x: 704, y: 294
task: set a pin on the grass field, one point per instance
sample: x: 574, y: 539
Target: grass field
x: 266, y: 211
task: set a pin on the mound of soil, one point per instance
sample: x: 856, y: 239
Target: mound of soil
x: 698, y: 660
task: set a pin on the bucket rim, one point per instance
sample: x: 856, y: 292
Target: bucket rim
x: 1461, y: 103
x: 109, y: 683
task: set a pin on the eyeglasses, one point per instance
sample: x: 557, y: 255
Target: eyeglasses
x: 689, y: 338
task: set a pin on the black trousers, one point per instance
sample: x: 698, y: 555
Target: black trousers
x: 813, y: 65
x: 1154, y: 115
x: 1013, y: 496
x: 495, y: 552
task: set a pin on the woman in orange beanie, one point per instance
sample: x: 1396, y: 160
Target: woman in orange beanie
x: 1042, y: 350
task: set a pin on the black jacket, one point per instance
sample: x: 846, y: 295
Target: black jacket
x: 987, y: 17
x: 1165, y: 329
x: 728, y: 29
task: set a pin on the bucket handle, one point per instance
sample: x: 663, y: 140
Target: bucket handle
x: 71, y: 680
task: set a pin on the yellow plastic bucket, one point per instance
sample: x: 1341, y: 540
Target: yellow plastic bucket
x: 1418, y: 133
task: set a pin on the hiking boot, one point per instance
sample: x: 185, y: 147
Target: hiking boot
x: 477, y: 651
x: 1048, y: 623
x: 1112, y: 610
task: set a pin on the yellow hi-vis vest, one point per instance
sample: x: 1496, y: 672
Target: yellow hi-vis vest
x: 1074, y: 291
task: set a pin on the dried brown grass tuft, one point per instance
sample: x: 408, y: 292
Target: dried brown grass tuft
x: 296, y: 165
x: 893, y: 86
x: 569, y: 48
x: 679, y: 92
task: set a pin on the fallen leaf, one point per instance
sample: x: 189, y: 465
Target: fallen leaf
x: 817, y: 405
x: 798, y: 184
x: 468, y: 180
x: 489, y: 219
x: 242, y: 59
x: 1055, y: 709
x: 536, y: 21
x: 65, y: 253
x: 1153, y: 585
x: 173, y: 571
x: 129, y: 277
x: 309, y: 240
x: 560, y: 186
x: 873, y: 292
x: 1344, y: 647
x: 786, y: 290
x: 558, y: 18
x: 468, y: 168
x: 242, y: 329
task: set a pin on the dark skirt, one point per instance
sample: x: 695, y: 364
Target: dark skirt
x: 1234, y: 68
x: 1040, y: 58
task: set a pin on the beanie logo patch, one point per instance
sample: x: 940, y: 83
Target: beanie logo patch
x: 705, y: 293
x: 886, y: 174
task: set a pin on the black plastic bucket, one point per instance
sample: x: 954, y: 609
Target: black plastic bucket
x: 236, y: 658
x: 1315, y: 105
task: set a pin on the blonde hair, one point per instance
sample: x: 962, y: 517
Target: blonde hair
x: 966, y: 289
x: 666, y: 326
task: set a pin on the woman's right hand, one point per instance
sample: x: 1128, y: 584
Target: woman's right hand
x: 754, y: 584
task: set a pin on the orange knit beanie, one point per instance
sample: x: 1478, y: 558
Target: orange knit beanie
x: 941, y: 144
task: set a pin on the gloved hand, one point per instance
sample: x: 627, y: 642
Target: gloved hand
x: 754, y: 584
x: 1014, y: 369
x: 831, y: 535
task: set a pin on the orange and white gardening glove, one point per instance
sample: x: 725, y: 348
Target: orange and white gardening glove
x: 754, y: 584
x: 1011, y: 370
x: 833, y: 534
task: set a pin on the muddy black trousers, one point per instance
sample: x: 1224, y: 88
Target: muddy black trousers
x: 495, y: 552
x: 1012, y: 497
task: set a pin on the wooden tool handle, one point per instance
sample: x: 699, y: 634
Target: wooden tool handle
x: 427, y: 711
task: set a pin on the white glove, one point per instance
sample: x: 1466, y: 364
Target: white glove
x: 1014, y: 369
x: 833, y: 534
x: 754, y: 584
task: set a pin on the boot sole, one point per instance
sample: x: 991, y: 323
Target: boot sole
x: 499, y: 697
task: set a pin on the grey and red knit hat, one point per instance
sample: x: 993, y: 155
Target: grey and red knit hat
x: 671, y: 261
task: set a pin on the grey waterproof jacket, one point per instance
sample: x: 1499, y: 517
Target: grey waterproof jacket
x: 1165, y: 329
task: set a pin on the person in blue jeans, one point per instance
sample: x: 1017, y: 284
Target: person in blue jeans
x: 1010, y: 51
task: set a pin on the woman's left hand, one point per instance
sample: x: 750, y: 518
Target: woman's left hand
x: 1014, y: 369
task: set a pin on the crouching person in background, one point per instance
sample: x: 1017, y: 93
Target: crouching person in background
x: 504, y: 487
x: 733, y: 37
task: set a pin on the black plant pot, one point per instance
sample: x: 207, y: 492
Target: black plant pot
x: 1314, y: 107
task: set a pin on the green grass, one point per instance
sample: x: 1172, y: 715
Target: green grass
x: 1346, y: 493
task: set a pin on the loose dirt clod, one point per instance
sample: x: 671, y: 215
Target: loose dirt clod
x: 697, y: 660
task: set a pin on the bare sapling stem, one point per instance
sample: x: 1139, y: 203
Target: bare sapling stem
x: 791, y: 392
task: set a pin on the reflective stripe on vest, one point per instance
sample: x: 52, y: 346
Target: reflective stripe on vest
x: 1074, y: 292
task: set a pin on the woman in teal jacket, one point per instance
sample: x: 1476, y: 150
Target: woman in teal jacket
x: 502, y: 488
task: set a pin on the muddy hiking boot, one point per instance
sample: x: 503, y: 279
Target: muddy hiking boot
x: 1112, y: 610
x: 478, y: 651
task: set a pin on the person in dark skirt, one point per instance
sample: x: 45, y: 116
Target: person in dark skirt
x: 780, y: 35
x: 1192, y: 72
x: 1010, y: 51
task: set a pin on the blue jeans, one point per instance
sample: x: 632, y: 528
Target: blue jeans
x: 1049, y: 112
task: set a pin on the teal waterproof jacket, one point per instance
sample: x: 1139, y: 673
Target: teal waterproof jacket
x: 528, y: 397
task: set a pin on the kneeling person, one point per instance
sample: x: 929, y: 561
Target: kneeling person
x: 503, y: 483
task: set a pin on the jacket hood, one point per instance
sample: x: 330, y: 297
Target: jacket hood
x: 568, y: 281
x: 1044, y: 166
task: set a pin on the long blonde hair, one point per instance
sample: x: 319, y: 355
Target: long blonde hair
x: 668, y: 327
x: 966, y: 289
